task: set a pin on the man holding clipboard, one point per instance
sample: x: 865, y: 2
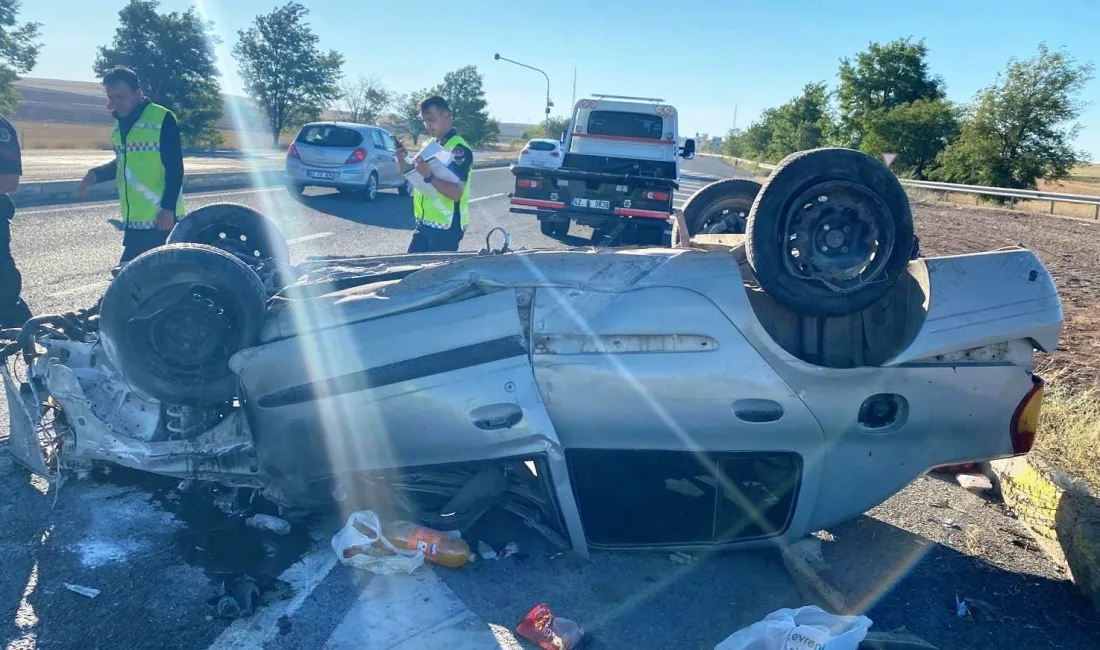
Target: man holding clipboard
x: 440, y: 176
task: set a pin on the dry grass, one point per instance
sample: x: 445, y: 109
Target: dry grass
x: 1069, y: 431
x: 69, y: 135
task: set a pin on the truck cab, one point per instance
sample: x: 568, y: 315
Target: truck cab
x: 620, y: 170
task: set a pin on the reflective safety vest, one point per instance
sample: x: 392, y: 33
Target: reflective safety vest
x: 438, y: 211
x: 140, y: 175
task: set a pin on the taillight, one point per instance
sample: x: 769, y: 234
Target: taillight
x: 1025, y: 421
x: 292, y: 151
x: 529, y: 183
x: 525, y: 150
x: 359, y: 155
x: 656, y: 196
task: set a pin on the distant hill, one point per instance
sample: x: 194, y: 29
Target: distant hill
x: 83, y: 102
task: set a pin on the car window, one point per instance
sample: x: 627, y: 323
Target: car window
x: 376, y: 139
x: 541, y: 146
x: 328, y: 135
x: 387, y: 140
x: 625, y: 125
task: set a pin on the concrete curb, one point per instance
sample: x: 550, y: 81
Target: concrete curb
x: 62, y: 192
x: 1059, y: 509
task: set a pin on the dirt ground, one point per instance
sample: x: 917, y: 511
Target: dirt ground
x: 1070, y: 249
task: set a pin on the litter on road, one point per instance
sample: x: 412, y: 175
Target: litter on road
x: 805, y: 628
x: 268, y: 522
x: 83, y: 591
x: 548, y: 631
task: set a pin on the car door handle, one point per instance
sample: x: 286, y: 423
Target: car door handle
x: 496, y: 416
x: 757, y: 410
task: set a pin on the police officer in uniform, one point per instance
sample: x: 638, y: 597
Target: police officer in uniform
x: 441, y: 220
x: 148, y: 165
x: 13, y: 311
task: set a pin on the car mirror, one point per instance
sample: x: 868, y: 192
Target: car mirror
x: 687, y: 152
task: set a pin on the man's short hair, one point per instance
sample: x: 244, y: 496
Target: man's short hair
x: 124, y: 75
x: 435, y: 101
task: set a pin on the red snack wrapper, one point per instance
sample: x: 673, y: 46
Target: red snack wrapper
x: 549, y: 632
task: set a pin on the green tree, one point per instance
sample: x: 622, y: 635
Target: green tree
x: 885, y: 76
x: 173, y: 55
x: 552, y: 128
x: 284, y: 71
x: 463, y: 90
x: 408, y: 113
x: 755, y: 140
x: 801, y: 123
x: 19, y: 46
x: 1021, y: 128
x: 917, y: 132
x: 363, y: 100
x: 733, y: 144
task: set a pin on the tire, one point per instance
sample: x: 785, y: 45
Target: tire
x: 406, y: 189
x: 295, y: 189
x: 235, y: 229
x: 721, y: 207
x: 370, y: 192
x: 548, y: 228
x: 175, y: 315
x: 868, y: 213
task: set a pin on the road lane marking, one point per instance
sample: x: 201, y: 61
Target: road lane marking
x: 81, y: 289
x: 96, y: 204
x: 305, y: 238
x: 303, y: 576
x: 490, y: 196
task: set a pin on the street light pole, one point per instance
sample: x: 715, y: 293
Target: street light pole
x: 498, y: 57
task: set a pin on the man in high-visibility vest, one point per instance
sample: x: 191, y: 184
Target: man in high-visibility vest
x: 442, y: 218
x: 148, y: 165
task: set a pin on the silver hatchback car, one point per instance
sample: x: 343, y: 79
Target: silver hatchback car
x: 353, y: 158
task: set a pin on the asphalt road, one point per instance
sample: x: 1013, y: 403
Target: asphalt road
x: 155, y: 554
x: 72, y: 164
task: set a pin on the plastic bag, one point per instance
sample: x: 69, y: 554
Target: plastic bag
x: 805, y: 628
x: 355, y: 546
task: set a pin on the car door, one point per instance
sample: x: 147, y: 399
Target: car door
x: 676, y: 431
x: 384, y: 158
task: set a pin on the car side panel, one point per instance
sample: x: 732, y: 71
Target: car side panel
x: 662, y: 368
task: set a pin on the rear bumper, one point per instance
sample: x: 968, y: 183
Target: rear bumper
x: 342, y: 177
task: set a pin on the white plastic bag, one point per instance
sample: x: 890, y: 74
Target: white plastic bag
x: 353, y: 547
x: 805, y: 628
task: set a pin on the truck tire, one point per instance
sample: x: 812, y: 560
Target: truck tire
x: 547, y: 228
x: 175, y: 315
x: 561, y: 228
x: 830, y: 232
x: 236, y: 229
x: 721, y: 207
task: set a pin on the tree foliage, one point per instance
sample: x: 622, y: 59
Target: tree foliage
x: 463, y: 89
x: 19, y: 46
x: 173, y: 55
x: 364, y: 99
x: 408, y: 113
x: 283, y: 69
x: 917, y: 132
x: 802, y: 123
x: 1021, y: 128
x: 552, y: 128
x: 881, y: 78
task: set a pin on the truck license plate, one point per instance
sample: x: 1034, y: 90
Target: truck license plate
x: 325, y: 175
x: 595, y: 204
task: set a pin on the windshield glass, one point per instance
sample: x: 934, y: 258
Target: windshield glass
x: 625, y: 125
x: 330, y: 136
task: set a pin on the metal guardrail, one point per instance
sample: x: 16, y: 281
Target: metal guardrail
x: 976, y: 190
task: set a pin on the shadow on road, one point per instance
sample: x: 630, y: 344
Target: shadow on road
x: 388, y: 210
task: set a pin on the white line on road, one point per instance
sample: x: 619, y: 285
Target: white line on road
x: 305, y: 238
x: 490, y: 196
x: 81, y: 289
x: 304, y: 576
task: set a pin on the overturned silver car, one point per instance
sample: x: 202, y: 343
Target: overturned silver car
x: 730, y: 390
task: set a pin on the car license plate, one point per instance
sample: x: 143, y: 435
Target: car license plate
x: 328, y: 176
x: 595, y: 204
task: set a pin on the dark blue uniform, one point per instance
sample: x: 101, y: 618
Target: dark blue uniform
x: 13, y: 311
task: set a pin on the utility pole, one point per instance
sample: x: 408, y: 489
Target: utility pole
x: 549, y: 103
x: 574, y: 102
x: 734, y: 116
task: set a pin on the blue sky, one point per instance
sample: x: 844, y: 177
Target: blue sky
x: 703, y: 56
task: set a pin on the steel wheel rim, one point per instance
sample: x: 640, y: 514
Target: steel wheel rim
x: 236, y: 241
x: 839, y: 234
x: 193, y: 333
x: 372, y: 186
x: 730, y: 215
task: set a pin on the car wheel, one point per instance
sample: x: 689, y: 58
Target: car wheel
x: 236, y: 229
x: 370, y: 192
x: 175, y: 315
x: 721, y: 207
x: 406, y: 189
x: 830, y: 232
x: 295, y: 189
